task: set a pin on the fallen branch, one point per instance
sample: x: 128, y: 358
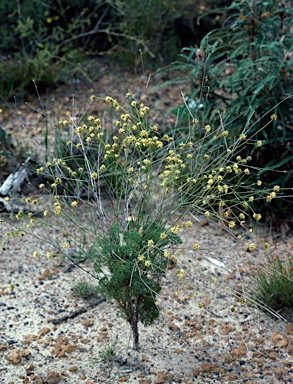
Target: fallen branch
x: 79, y: 311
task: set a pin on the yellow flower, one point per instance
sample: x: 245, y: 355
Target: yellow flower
x: 274, y: 117
x: 6, y: 199
x: 266, y: 245
x: 231, y: 224
x: 276, y: 188
x: 181, y: 274
x: 57, y: 209
x: 147, y: 263
x: 188, y: 224
x: 140, y: 258
x: 259, y: 143
x: 207, y: 214
x: 11, y: 287
x: 167, y: 254
x: 35, y: 254
x: 163, y: 235
x: 48, y: 255
x: 251, y: 247
x: 46, y: 213
x: 74, y: 203
x: 39, y: 170
x: 257, y: 216
x: 196, y: 246
x: 259, y: 183
x: 65, y: 245
x: 150, y: 243
x: 94, y: 175
x: 175, y: 229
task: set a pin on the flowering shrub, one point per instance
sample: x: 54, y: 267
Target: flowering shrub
x: 122, y: 202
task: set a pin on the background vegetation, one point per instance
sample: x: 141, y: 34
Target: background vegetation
x: 239, y: 75
x: 53, y: 41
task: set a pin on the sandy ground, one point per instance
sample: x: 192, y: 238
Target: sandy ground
x: 223, y: 342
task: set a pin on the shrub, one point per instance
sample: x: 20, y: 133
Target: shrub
x: 274, y: 284
x: 245, y: 69
x: 130, y: 216
x: 48, y: 42
x: 85, y: 290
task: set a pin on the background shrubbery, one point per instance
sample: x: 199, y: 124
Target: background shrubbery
x: 240, y: 75
x: 52, y: 42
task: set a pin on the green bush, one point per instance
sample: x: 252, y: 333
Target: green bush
x: 134, y: 289
x: 274, y: 285
x: 47, y: 41
x: 160, y: 28
x: 51, y: 42
x: 241, y: 75
x: 85, y: 290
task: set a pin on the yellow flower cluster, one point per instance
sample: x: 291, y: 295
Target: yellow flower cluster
x: 57, y: 208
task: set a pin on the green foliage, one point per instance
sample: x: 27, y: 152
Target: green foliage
x: 85, y: 290
x: 134, y: 267
x: 274, y: 284
x: 51, y: 42
x: 44, y: 42
x: 107, y: 354
x: 240, y: 75
x: 154, y: 28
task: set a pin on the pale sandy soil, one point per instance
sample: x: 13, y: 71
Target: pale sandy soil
x: 185, y: 345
